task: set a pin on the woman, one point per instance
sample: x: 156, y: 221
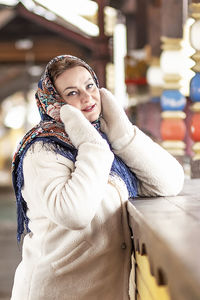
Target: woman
x: 73, y: 175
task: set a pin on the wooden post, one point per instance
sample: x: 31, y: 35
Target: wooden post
x: 172, y: 101
x: 101, y: 55
x: 154, y: 42
x: 194, y: 90
x: 136, y: 23
x: 172, y: 18
x: 154, y: 28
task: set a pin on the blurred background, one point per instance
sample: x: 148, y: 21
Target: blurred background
x: 145, y: 51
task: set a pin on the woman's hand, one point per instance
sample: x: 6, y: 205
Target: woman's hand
x: 79, y: 129
x: 114, y: 121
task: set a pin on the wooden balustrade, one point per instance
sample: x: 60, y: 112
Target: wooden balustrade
x: 166, y: 264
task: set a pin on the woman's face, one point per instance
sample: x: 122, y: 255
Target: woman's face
x: 77, y: 88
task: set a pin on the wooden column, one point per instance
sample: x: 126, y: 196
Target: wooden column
x: 154, y: 42
x: 129, y: 9
x: 194, y: 90
x: 101, y: 55
x: 136, y: 22
x: 172, y: 18
x: 172, y: 101
x: 154, y: 27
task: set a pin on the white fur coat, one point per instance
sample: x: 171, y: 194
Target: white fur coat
x: 79, y: 247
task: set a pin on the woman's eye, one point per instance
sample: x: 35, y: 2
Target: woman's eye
x: 90, y: 85
x: 72, y: 93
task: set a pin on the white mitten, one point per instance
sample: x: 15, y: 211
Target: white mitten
x: 79, y: 129
x: 114, y: 121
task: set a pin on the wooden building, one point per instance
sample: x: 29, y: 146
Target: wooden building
x: 165, y: 230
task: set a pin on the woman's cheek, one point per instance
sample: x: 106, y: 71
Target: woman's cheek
x: 98, y: 95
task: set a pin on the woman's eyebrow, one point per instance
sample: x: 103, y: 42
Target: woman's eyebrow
x: 69, y: 87
x: 74, y: 87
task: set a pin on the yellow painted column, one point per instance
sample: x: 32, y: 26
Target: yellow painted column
x: 146, y: 284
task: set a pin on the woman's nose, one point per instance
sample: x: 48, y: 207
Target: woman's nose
x: 85, y: 96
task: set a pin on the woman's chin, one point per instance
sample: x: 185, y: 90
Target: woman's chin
x: 92, y: 117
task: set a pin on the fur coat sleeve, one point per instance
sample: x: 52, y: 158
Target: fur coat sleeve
x: 69, y: 194
x: 158, y: 172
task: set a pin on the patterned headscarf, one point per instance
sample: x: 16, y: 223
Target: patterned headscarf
x: 49, y: 103
x: 51, y: 130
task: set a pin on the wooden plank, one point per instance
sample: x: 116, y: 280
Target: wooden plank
x: 169, y: 229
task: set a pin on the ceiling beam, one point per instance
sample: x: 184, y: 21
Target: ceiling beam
x: 82, y: 39
x: 42, y: 50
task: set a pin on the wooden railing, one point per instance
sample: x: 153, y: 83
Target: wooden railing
x: 166, y: 237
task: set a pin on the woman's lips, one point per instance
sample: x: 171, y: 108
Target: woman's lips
x: 89, y: 108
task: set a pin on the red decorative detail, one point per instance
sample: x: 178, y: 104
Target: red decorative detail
x: 173, y: 129
x: 136, y: 81
x: 195, y: 127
